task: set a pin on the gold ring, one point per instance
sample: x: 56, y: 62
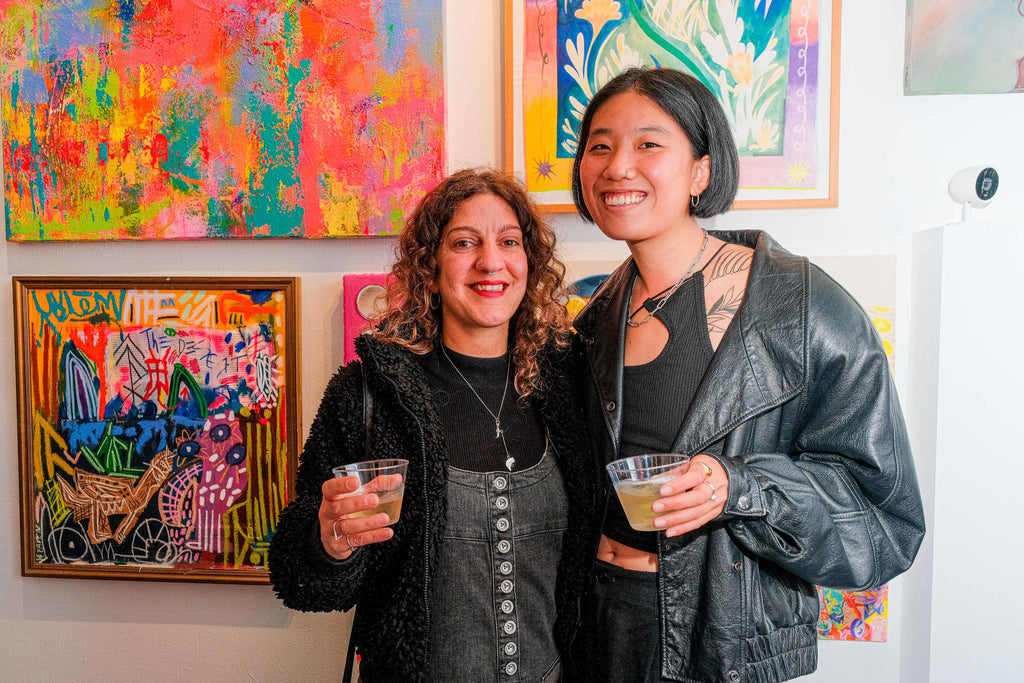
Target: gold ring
x: 707, y: 469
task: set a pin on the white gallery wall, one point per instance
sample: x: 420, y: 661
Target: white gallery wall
x: 896, y: 155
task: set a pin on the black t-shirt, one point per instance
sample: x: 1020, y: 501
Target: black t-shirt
x: 469, y: 428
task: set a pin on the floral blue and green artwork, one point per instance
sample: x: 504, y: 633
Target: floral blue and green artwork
x: 768, y: 62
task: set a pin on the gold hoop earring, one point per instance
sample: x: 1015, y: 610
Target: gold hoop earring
x: 694, y: 200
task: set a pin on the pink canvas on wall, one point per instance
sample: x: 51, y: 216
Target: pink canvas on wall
x: 361, y: 297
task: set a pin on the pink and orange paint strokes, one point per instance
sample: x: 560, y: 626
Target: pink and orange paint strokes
x: 181, y: 119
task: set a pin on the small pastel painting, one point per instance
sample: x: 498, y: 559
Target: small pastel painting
x: 964, y: 47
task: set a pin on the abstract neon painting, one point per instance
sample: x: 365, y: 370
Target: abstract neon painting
x: 157, y: 424
x: 182, y: 119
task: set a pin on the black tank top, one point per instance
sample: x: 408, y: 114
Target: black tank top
x: 656, y: 395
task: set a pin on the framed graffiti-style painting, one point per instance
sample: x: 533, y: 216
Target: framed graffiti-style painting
x: 772, y: 64
x: 157, y: 424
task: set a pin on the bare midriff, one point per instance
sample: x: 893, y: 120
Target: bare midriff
x: 626, y: 556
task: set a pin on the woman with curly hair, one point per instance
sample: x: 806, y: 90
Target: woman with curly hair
x: 468, y: 375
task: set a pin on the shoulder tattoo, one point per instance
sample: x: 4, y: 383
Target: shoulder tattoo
x: 732, y: 259
x: 722, y: 311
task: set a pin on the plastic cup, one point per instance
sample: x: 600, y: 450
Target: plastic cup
x: 384, y: 477
x: 638, y: 480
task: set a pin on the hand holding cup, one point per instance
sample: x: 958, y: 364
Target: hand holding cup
x: 638, y: 481
x: 359, y: 505
x: 669, y: 491
x: 694, y: 498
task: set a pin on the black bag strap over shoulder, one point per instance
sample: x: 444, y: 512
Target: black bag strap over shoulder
x: 367, y: 420
x: 351, y: 650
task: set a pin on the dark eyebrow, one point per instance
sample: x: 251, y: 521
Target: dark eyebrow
x: 641, y: 129
x: 458, y: 231
x: 472, y: 230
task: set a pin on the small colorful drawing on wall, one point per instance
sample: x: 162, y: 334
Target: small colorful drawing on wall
x: 179, y: 119
x: 964, y: 47
x: 583, y: 277
x: 854, y: 615
x: 157, y: 424
x: 882, y: 317
x: 773, y: 66
x: 861, y: 615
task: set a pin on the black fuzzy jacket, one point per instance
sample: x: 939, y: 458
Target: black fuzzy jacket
x: 391, y: 581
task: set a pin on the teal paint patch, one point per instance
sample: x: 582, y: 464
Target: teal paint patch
x: 273, y: 197
x: 183, y: 132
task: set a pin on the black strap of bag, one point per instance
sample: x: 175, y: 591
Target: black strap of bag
x: 351, y: 655
x: 367, y: 417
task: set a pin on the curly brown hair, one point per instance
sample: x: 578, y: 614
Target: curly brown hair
x: 413, y: 312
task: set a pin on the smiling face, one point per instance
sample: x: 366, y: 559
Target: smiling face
x: 637, y: 172
x: 482, y: 274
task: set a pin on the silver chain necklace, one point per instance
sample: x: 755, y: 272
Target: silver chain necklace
x: 499, y: 433
x: 663, y: 300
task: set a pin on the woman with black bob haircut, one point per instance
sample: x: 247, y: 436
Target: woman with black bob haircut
x: 727, y: 348
x: 696, y: 111
x: 467, y: 376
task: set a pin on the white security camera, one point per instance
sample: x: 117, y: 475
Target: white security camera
x: 974, y: 186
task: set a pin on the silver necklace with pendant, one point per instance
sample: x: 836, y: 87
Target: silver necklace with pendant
x: 672, y: 290
x: 499, y: 433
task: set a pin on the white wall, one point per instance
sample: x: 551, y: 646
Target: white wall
x: 896, y: 155
x: 969, y: 422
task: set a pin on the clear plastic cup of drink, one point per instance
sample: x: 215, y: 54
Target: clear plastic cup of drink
x: 384, y: 477
x: 638, y: 480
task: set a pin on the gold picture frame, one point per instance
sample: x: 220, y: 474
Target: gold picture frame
x: 158, y: 424
x: 782, y: 96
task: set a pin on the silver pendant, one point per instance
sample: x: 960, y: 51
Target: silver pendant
x: 497, y: 429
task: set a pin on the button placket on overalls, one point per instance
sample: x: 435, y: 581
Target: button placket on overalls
x: 506, y: 621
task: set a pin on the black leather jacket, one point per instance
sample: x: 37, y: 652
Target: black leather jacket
x: 799, y: 408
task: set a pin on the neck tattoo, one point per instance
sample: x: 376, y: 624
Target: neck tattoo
x: 499, y: 433
x: 672, y: 290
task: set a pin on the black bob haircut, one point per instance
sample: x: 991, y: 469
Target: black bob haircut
x: 689, y: 102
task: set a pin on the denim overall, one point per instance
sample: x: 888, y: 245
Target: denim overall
x: 496, y: 577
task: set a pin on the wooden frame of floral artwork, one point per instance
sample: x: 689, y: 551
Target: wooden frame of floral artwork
x: 158, y: 424
x: 773, y: 65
